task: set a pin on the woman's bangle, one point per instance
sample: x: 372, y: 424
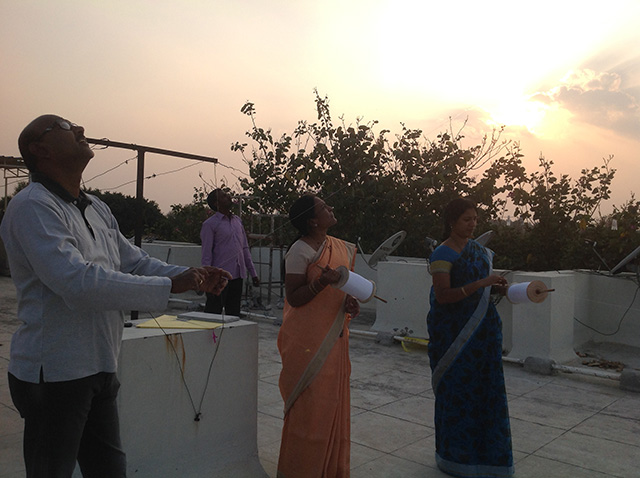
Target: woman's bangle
x: 464, y: 292
x: 313, y: 288
x: 316, y: 288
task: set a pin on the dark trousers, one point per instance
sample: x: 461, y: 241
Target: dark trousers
x: 69, y: 421
x: 229, y: 298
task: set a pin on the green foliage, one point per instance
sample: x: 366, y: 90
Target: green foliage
x: 554, y: 215
x: 376, y: 187
x: 379, y: 185
x: 615, y: 235
x: 183, y: 222
x: 125, y: 209
x: 20, y: 186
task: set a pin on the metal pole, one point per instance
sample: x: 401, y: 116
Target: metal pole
x: 270, y: 273
x: 139, y: 207
x: 140, y: 199
x: 140, y: 179
x: 150, y: 149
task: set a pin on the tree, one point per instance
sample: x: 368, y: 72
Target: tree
x: 613, y: 236
x: 376, y: 187
x: 125, y: 210
x: 183, y: 222
x: 557, y: 213
x: 379, y: 185
x: 20, y: 186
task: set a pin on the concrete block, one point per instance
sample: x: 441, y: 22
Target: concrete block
x: 630, y: 380
x: 539, y: 365
x: 384, y: 338
x: 169, y: 375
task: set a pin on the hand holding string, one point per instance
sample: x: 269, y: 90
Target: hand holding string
x: 215, y: 280
x: 329, y: 276
x: 187, y: 280
x: 352, y: 306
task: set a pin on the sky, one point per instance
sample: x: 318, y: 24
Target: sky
x: 563, y: 77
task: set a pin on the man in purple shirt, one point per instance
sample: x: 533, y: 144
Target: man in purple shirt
x: 224, y: 244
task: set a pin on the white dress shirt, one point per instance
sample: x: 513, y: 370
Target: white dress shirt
x: 75, y: 274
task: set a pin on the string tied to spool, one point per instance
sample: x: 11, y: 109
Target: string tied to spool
x: 534, y: 291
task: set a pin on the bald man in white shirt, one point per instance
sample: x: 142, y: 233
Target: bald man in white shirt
x: 75, y: 275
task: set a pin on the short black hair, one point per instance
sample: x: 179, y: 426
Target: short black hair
x: 212, y: 198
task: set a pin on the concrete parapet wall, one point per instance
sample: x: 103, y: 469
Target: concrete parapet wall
x: 267, y: 262
x: 607, y: 308
x: 598, y: 301
x: 588, y: 307
x: 179, y: 253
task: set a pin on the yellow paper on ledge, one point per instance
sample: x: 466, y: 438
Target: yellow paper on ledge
x: 172, y: 322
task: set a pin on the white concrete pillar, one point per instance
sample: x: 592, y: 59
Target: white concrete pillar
x: 545, y: 330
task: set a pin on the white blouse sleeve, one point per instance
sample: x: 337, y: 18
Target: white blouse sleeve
x: 299, y: 256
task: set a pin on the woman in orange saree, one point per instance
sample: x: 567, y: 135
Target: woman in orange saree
x: 314, y: 345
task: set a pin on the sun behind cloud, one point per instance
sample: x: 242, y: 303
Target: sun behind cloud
x: 599, y: 98
x: 520, y: 112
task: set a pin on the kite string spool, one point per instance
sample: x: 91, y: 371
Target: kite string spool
x: 535, y: 291
x: 356, y: 285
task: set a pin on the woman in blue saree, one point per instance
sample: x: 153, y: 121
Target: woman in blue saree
x: 473, y: 435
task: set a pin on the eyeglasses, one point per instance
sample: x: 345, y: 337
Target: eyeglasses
x: 60, y: 123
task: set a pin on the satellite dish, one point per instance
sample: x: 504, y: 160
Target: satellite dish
x: 625, y: 261
x: 386, y: 248
x: 483, y: 239
x: 431, y: 245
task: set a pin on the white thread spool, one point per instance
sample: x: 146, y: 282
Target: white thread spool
x: 535, y: 291
x: 353, y: 284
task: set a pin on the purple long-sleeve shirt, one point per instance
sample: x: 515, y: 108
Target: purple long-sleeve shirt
x: 225, y: 245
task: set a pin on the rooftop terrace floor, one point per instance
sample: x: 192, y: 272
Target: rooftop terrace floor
x: 563, y: 426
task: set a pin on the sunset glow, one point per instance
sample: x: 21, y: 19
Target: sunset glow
x: 562, y: 77
x: 520, y: 112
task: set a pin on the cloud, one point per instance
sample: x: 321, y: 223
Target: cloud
x: 597, y: 98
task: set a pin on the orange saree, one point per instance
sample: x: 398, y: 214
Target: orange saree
x: 314, y: 345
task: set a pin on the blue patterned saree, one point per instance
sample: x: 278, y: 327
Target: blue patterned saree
x: 473, y: 435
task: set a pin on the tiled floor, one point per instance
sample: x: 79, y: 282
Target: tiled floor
x: 564, y: 426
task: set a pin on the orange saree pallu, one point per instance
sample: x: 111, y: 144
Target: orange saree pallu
x: 314, y: 345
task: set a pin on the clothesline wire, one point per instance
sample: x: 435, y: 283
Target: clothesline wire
x: 154, y: 175
x: 126, y: 161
